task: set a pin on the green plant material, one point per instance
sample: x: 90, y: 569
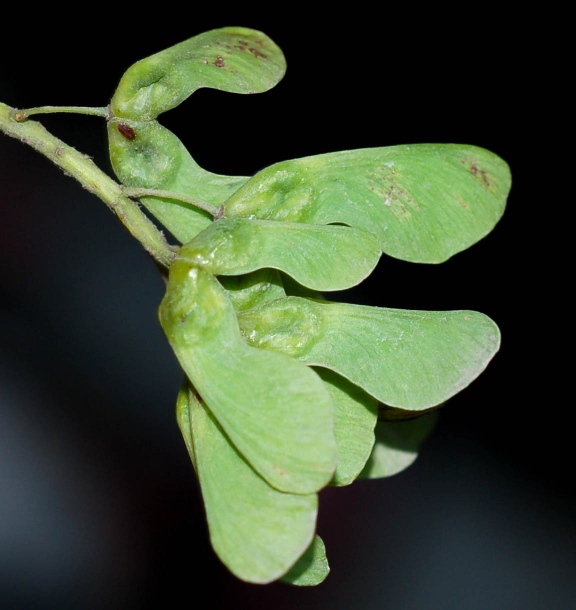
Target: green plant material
x: 319, y: 257
x: 397, y: 445
x: 257, y: 531
x: 155, y: 158
x: 392, y: 414
x: 81, y: 168
x: 312, y: 568
x: 355, y: 414
x: 261, y: 399
x: 251, y: 289
x: 287, y: 392
x: 411, y: 360
x: 143, y: 153
x: 186, y: 397
x: 233, y: 59
x: 425, y: 202
x: 293, y: 288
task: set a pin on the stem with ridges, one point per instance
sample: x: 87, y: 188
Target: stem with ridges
x: 93, y: 179
x: 22, y: 115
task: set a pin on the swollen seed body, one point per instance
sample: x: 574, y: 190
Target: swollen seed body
x: 276, y: 410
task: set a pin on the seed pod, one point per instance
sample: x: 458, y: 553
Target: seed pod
x: 233, y: 59
x: 411, y: 360
x: 151, y: 156
x: 425, y: 202
x: 144, y: 154
x: 257, y: 531
x: 276, y: 411
x: 320, y: 257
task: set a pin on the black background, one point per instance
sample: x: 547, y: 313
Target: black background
x: 100, y: 505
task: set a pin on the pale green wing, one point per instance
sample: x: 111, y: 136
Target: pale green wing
x: 144, y: 154
x: 425, y: 202
x: 397, y: 445
x: 233, y: 59
x: 319, y: 257
x: 312, y: 568
x: 355, y: 413
x: 407, y: 359
x: 183, y: 402
x: 276, y: 410
x: 257, y: 531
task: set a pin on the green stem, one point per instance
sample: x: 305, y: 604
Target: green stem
x: 22, y: 115
x: 216, y: 211
x: 93, y: 179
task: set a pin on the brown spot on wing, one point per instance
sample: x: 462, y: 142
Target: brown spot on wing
x: 480, y: 173
x: 256, y: 52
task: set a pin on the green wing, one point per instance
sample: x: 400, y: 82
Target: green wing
x: 411, y: 360
x: 257, y: 531
x: 275, y: 410
x: 425, y: 202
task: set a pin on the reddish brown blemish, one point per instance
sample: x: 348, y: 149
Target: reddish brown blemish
x: 256, y: 52
x: 127, y: 131
x: 219, y: 63
x: 481, y: 173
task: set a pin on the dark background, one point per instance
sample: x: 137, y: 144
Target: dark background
x: 99, y: 506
